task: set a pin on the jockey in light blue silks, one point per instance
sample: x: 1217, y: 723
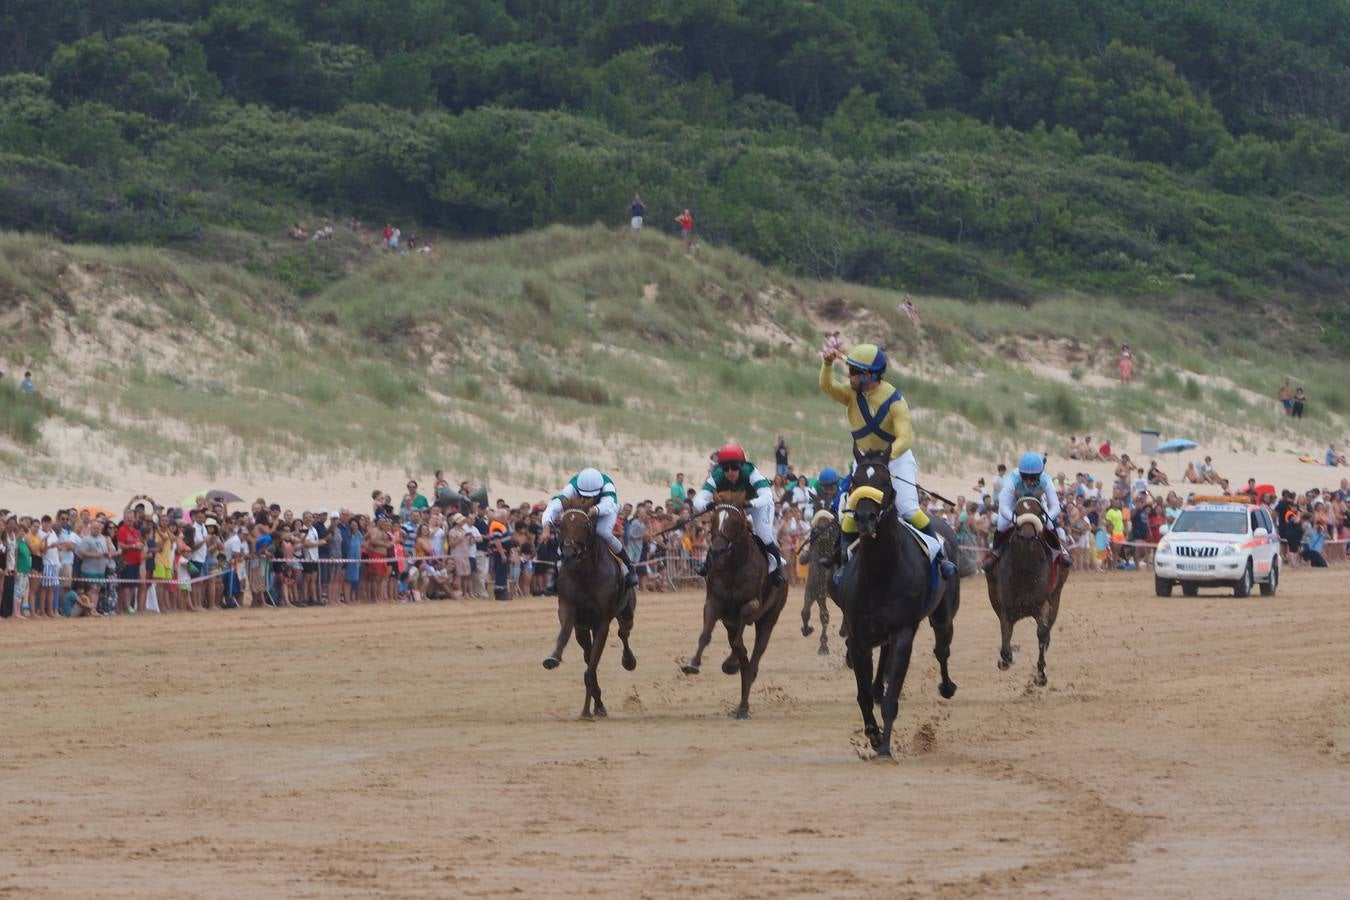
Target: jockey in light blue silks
x: 1031, y: 482
x: 597, y: 487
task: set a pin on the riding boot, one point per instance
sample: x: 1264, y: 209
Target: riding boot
x: 777, y: 576
x: 701, y: 570
x: 632, y: 576
x: 945, y: 565
x: 991, y: 560
x: 842, y: 554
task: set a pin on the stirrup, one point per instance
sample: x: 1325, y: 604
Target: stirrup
x: 946, y: 567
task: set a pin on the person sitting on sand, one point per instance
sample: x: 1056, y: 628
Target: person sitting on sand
x: 1191, y: 476
x: 1106, y: 454
x: 1073, y: 447
x: 1207, y: 473
x: 1087, y: 452
x: 1155, y: 474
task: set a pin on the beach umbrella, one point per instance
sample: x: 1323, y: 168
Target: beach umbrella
x: 212, y: 495
x: 1176, y: 445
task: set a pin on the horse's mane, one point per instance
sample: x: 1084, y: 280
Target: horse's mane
x: 730, y: 498
x: 582, y: 503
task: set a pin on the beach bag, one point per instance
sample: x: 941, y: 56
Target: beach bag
x: 151, y: 601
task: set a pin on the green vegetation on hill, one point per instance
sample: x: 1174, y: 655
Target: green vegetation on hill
x: 519, y: 357
x: 1143, y: 147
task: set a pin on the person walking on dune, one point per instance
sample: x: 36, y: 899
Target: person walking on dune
x: 686, y: 223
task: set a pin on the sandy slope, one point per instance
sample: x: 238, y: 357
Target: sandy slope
x: 1184, y: 747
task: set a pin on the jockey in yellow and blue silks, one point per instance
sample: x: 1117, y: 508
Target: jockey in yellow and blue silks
x: 879, y: 418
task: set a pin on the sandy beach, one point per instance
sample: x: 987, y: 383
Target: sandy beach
x: 1193, y: 747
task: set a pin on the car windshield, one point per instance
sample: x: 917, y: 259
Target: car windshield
x: 1211, y: 521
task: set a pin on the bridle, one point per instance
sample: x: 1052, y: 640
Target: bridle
x: 721, y: 509
x: 571, y: 545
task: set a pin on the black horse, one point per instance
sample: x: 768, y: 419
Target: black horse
x: 1026, y: 582
x: 592, y: 592
x: 886, y: 594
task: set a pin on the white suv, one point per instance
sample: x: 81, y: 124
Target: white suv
x: 1219, y: 543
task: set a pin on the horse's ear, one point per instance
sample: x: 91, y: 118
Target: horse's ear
x: 858, y: 455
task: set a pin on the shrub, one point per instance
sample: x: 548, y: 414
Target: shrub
x: 1061, y: 408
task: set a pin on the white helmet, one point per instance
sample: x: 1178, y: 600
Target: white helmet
x: 590, y: 482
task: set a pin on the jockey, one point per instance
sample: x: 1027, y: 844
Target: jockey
x: 879, y: 418
x: 828, y: 489
x: 598, y: 488
x: 734, y: 474
x: 1032, y: 483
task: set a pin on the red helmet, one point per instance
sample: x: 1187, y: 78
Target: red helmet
x: 731, y: 453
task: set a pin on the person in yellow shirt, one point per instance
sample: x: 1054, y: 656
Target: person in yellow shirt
x: 878, y: 418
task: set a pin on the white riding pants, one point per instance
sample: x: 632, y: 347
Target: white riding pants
x: 604, y: 526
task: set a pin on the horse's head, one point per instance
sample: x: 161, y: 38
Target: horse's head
x: 824, y: 537
x: 728, y: 522
x: 1029, y: 517
x: 872, y: 493
x: 576, y: 528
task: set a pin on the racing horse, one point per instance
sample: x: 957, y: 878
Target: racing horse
x: 887, y: 590
x: 739, y: 594
x: 1026, y: 581
x: 592, y: 592
x: 822, y: 554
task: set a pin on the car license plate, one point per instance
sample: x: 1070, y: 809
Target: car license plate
x: 1194, y: 567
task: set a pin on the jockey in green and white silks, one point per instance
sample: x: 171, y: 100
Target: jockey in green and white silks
x: 734, y: 474
x: 597, y: 487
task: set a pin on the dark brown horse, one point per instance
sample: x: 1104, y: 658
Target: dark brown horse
x: 739, y: 594
x: 591, y: 594
x: 1026, y: 581
x: 887, y: 592
x: 822, y: 553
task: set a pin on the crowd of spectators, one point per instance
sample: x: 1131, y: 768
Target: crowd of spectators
x: 453, y: 544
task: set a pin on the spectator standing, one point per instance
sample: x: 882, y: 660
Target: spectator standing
x: 1300, y: 400
x: 27, y: 384
x: 780, y: 457
x: 636, y: 211
x: 1126, y: 364
x: 677, y: 494
x: 1286, y: 397
x: 686, y: 223
x: 910, y: 310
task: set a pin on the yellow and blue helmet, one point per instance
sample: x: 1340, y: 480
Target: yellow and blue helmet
x: 868, y: 361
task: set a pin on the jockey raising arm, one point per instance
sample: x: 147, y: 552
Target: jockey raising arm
x: 734, y: 474
x: 597, y: 487
x: 878, y: 417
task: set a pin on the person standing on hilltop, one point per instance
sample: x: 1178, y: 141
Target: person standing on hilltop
x: 686, y: 223
x: 780, y: 457
x: 636, y: 210
x: 1126, y: 364
x: 879, y: 420
x: 1287, y: 397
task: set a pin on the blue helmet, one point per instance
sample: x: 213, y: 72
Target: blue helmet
x: 828, y: 476
x: 1031, y: 463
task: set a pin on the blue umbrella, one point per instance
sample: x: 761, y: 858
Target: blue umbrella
x: 1176, y: 445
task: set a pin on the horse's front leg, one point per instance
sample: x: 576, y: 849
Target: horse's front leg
x: 587, y: 645
x: 736, y: 638
x: 567, y: 617
x: 593, y: 665
x: 824, y: 626
x: 807, y: 630
x: 1005, y: 653
x: 709, y: 620
x: 879, y: 685
x: 625, y: 629
x: 897, y: 664
x: 943, y: 624
x: 860, y: 658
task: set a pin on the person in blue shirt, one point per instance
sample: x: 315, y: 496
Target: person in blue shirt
x: 1314, y: 542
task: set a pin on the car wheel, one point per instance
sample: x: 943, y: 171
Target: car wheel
x: 1190, y: 589
x: 1269, y: 586
x: 1244, y: 587
x: 1162, y: 586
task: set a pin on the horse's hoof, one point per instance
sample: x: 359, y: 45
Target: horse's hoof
x: 807, y: 631
x: 1004, y: 664
x: 731, y: 666
x: 601, y: 712
x: 629, y: 660
x: 883, y: 755
x: 824, y: 650
x: 689, y: 669
x: 585, y: 717
x: 1040, y: 680
x: 551, y: 662
x: 741, y: 714
x: 947, y: 689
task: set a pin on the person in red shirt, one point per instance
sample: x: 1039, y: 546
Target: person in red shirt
x: 686, y: 223
x: 130, y: 544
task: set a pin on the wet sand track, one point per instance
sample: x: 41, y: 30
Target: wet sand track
x: 1183, y: 747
